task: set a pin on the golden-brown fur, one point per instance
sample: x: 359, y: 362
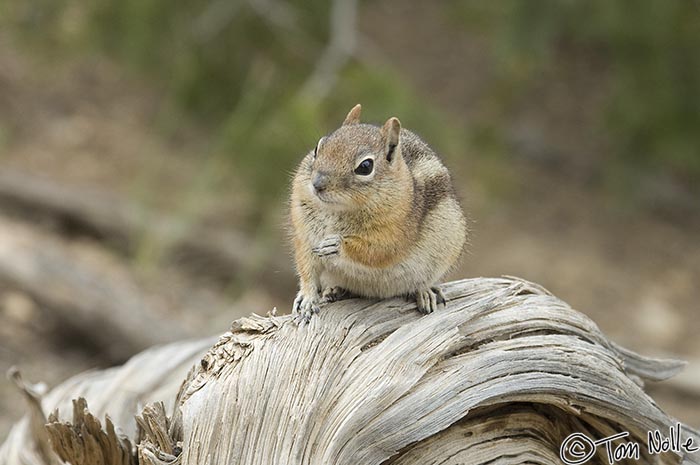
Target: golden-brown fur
x: 393, y: 231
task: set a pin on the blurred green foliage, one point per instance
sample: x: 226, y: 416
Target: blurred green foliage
x: 238, y: 67
x: 648, y: 54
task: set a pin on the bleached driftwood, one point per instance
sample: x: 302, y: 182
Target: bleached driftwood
x: 503, y: 374
x: 154, y: 375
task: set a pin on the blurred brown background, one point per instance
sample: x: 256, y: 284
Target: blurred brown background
x: 146, y: 148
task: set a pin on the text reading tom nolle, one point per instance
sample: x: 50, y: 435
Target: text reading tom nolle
x: 578, y: 448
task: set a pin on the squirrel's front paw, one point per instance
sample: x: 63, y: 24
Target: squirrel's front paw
x: 334, y: 294
x: 427, y: 300
x: 328, y: 247
x: 304, y: 308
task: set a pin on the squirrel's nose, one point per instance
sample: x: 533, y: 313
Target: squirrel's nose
x: 320, y: 182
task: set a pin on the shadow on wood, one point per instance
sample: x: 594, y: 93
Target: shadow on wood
x: 503, y: 374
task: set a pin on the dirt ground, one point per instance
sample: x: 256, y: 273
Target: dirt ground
x: 90, y: 124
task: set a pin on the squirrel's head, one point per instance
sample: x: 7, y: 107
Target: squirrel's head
x: 358, y: 164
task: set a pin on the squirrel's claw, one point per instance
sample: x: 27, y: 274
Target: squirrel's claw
x: 304, y: 308
x: 427, y: 300
x: 440, y: 297
x: 328, y: 247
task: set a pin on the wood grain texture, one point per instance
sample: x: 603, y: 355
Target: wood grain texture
x: 502, y: 374
x: 155, y: 374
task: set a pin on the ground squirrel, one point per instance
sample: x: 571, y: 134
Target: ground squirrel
x: 373, y: 214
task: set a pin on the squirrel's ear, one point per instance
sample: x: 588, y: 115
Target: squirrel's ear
x: 354, y: 115
x: 391, y: 131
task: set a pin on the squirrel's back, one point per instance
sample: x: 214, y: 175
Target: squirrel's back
x: 431, y: 178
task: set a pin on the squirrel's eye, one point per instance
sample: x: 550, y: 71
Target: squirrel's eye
x: 365, y: 168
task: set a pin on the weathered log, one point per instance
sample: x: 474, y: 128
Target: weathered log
x: 503, y: 374
x: 154, y: 375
